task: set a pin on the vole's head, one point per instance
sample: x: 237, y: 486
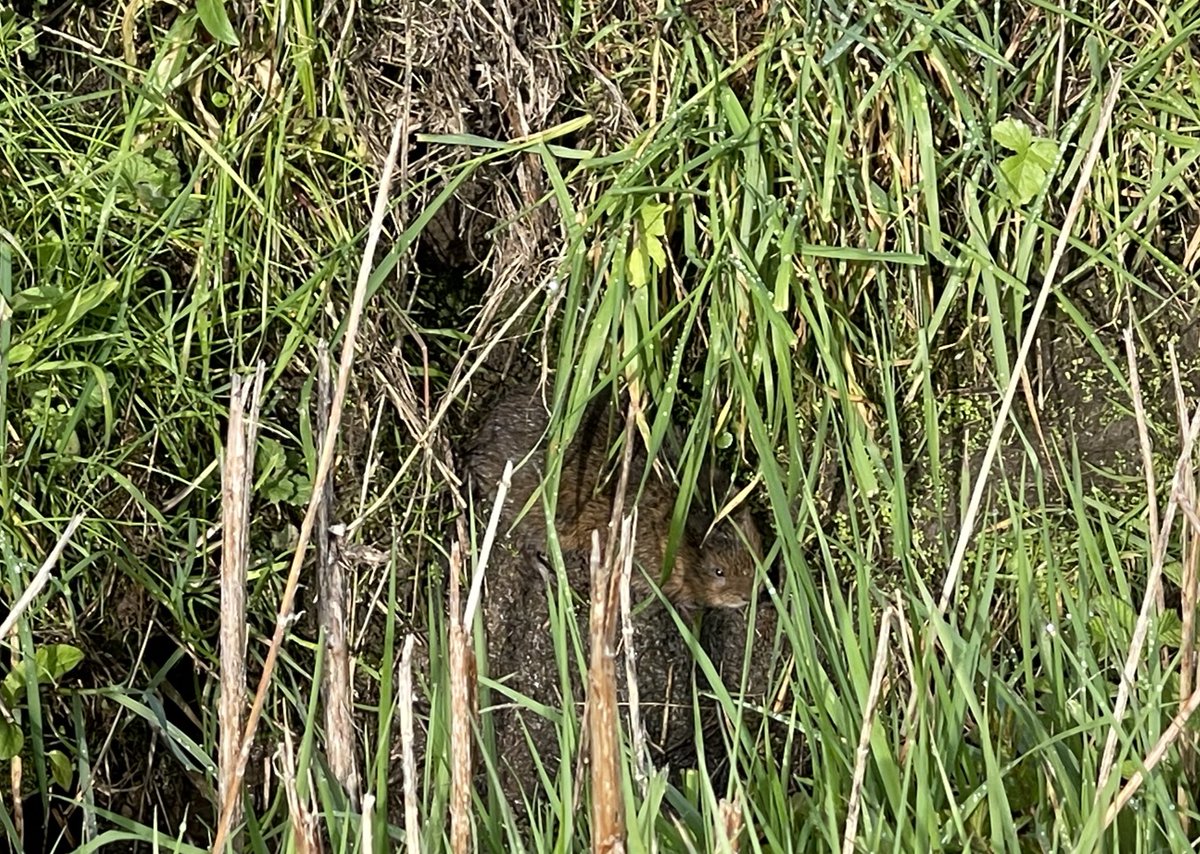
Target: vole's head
x: 725, y: 573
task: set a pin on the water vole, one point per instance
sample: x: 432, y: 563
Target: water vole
x: 713, y: 566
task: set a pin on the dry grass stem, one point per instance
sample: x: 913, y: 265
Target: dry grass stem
x: 304, y: 831
x: 868, y: 721
x: 237, y: 483
x: 18, y: 800
x: 637, y: 735
x: 368, y: 823
x: 1031, y: 406
x: 908, y: 647
x: 462, y: 713
x: 608, y: 820
x: 1153, y: 757
x: 485, y: 549
x: 1139, y: 412
x: 407, y: 700
x: 1190, y: 552
x: 463, y: 671
x: 40, y: 577
x: 332, y: 607
x: 324, y: 466
x: 968, y: 523
x: 1142, y: 626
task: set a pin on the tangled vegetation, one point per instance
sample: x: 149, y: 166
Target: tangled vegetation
x: 879, y: 260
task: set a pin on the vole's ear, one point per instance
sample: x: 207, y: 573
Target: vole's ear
x: 712, y: 485
x: 729, y: 532
x: 745, y: 520
x: 697, y: 522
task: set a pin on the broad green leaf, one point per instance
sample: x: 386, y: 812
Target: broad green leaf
x: 85, y: 300
x: 1023, y: 178
x: 269, y: 458
x: 11, y: 739
x: 1043, y: 152
x: 19, y: 353
x: 57, y: 659
x: 654, y: 219
x: 1173, y: 570
x: 638, y: 265
x: 60, y: 768
x: 26, y: 41
x: 658, y: 255
x: 647, y: 244
x: 12, y: 686
x: 31, y: 299
x: 1113, y: 622
x: 1170, y: 629
x: 215, y: 19
x: 152, y: 180
x: 1013, y: 134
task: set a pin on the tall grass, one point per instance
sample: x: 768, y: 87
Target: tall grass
x: 806, y: 247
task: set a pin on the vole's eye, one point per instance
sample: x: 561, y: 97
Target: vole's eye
x: 718, y: 572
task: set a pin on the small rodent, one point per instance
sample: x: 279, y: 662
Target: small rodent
x: 712, y: 568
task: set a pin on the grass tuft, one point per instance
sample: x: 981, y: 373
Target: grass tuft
x: 827, y: 245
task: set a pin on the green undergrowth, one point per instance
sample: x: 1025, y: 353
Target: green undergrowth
x: 814, y: 246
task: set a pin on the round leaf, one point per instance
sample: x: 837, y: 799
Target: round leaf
x: 60, y: 768
x: 11, y: 740
x: 1013, y: 134
x: 57, y: 659
x: 1023, y: 178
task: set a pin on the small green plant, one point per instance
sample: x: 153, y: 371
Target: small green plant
x: 17, y: 34
x: 647, y: 254
x: 51, y: 663
x: 281, y: 477
x: 151, y: 182
x: 1023, y: 174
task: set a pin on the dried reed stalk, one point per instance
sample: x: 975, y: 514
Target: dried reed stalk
x: 608, y: 817
x: 874, y: 692
x: 729, y: 824
x: 463, y: 671
x: 18, y: 797
x: 462, y: 712
x: 1153, y: 580
x: 1191, y: 564
x: 324, y: 465
x: 332, y: 608
x: 412, y: 827
x: 637, y: 733
x: 304, y: 830
x: 237, y: 483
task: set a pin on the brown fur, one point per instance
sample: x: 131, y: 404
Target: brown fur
x: 711, y: 568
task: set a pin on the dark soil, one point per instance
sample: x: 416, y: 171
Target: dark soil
x: 522, y: 656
